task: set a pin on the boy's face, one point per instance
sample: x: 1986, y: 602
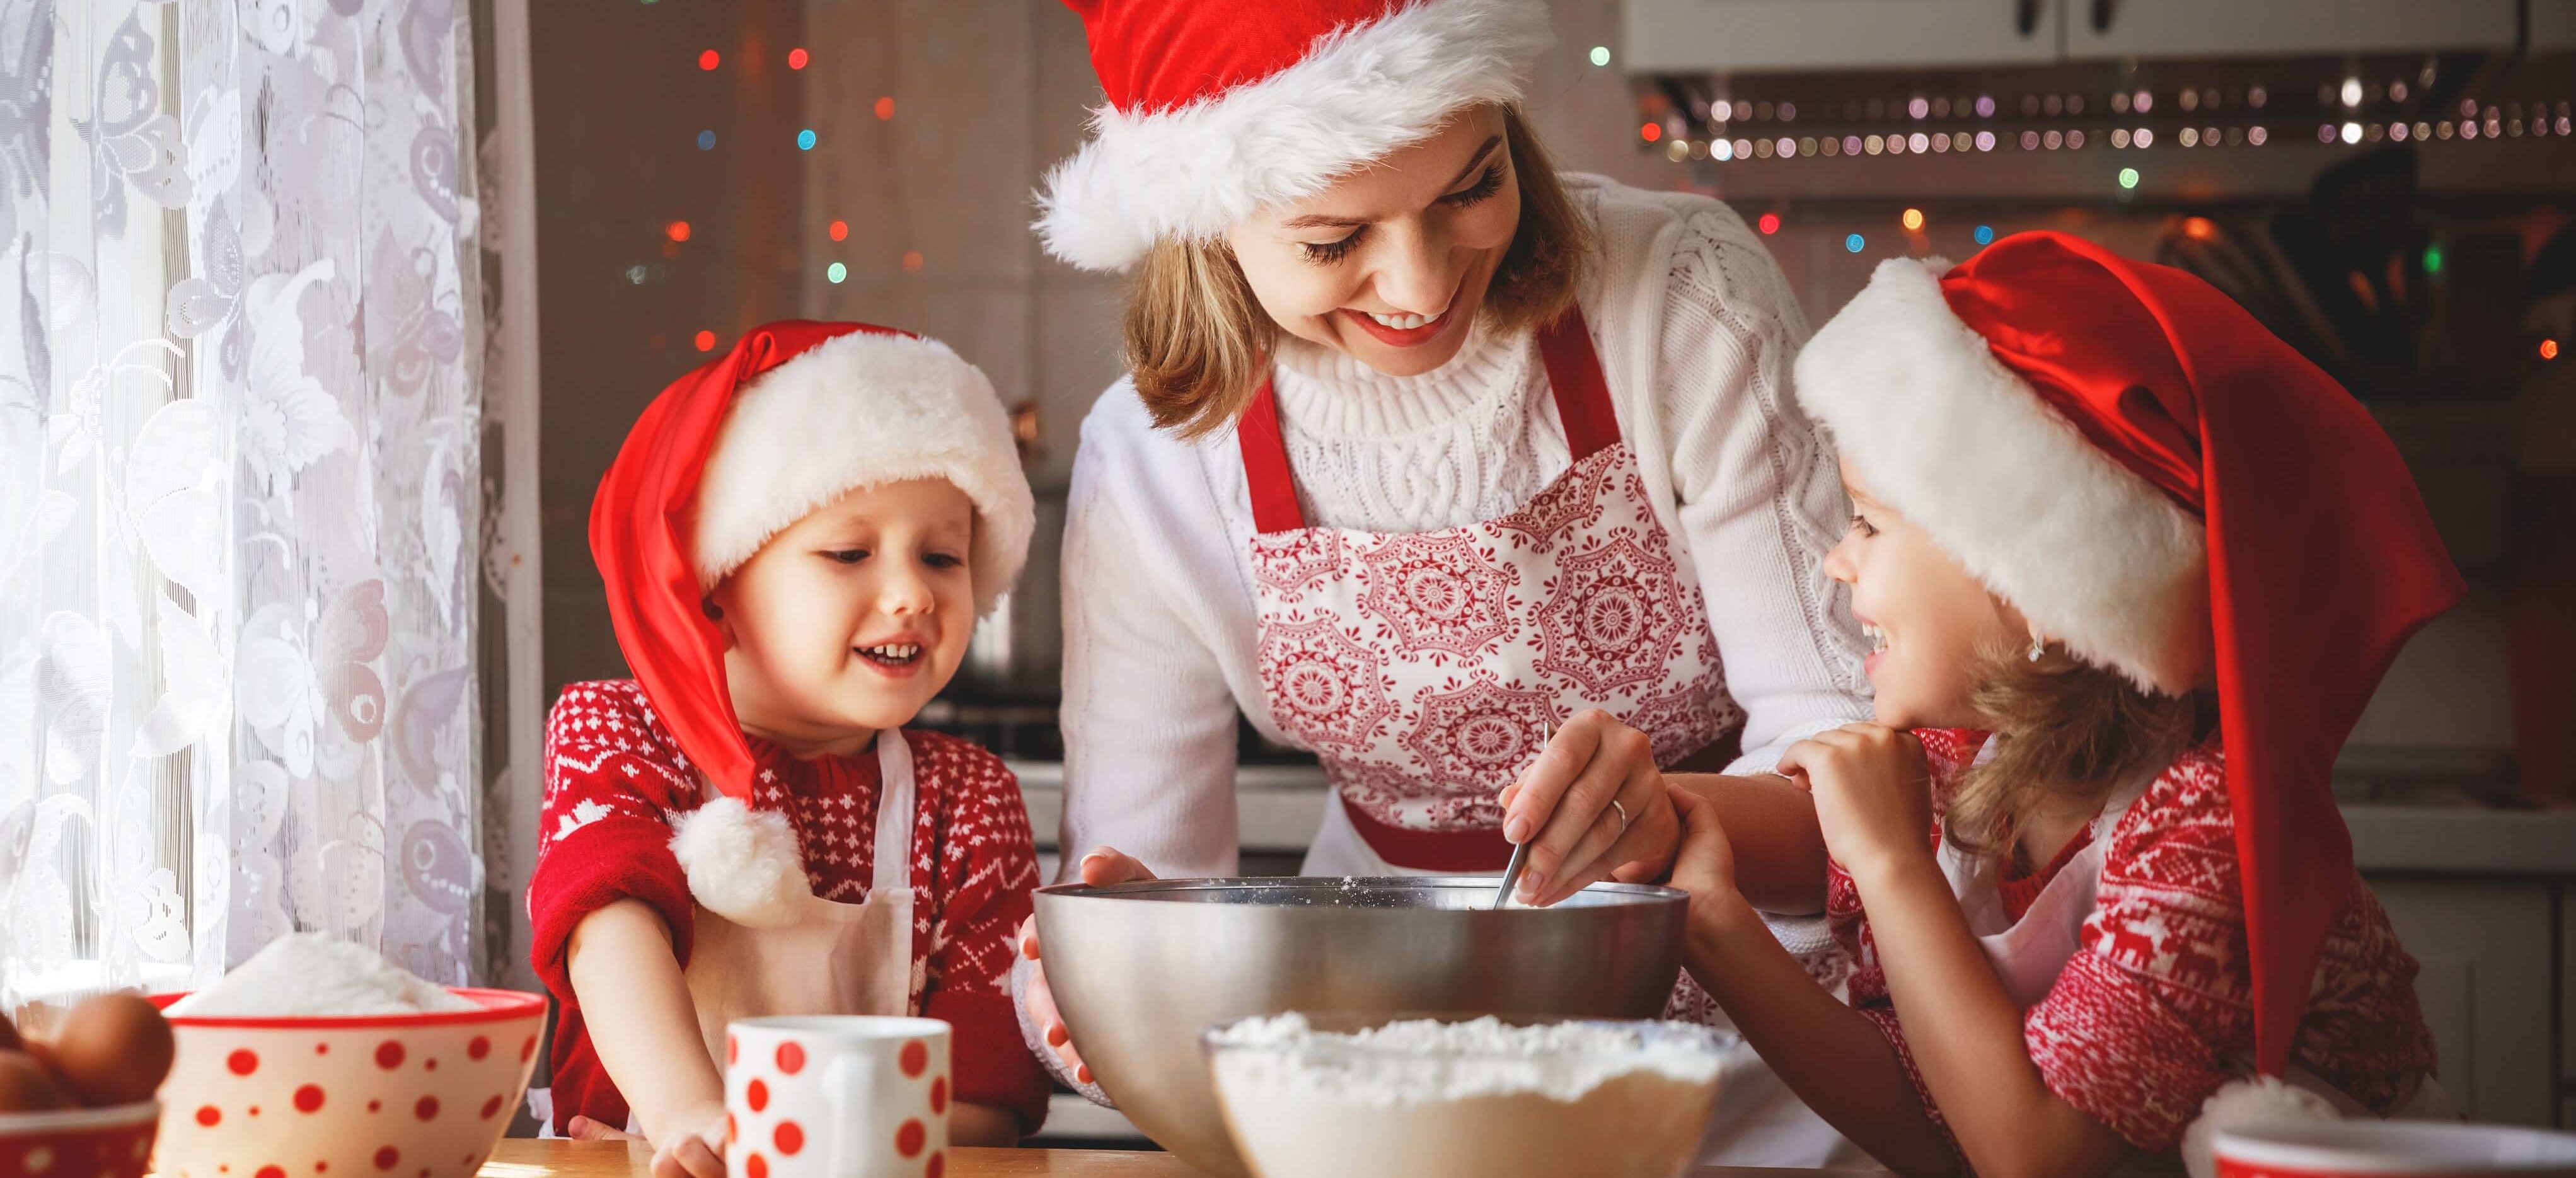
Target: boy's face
x: 846, y: 623
x: 1930, y: 623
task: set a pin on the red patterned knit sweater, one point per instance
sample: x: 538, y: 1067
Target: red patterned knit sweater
x: 2154, y: 1011
x: 615, y: 780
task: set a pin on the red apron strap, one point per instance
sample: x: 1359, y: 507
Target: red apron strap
x: 1582, y: 394
x: 1265, y: 465
x: 1573, y: 375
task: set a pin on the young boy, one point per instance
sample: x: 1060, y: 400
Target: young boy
x: 797, y: 540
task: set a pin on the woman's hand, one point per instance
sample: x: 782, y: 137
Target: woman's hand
x: 1099, y: 869
x: 1873, y: 794
x: 1592, y: 807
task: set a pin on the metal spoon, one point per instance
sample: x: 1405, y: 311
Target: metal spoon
x: 1512, y: 874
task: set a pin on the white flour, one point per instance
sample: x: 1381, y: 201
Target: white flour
x: 1423, y: 1060
x: 1480, y: 1099
x: 315, y: 975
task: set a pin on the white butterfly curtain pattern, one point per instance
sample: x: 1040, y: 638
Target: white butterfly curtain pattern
x: 241, y: 486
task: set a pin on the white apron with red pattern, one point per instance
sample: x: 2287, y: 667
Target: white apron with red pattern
x: 1427, y: 669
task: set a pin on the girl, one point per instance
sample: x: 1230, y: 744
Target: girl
x: 796, y: 541
x: 2130, y: 568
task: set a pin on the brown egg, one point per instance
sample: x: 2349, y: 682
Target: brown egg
x: 26, y: 1087
x: 112, y: 1049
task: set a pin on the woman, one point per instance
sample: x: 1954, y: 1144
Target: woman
x: 1457, y: 472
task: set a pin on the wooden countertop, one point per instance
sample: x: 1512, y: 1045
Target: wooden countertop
x: 522, y: 1158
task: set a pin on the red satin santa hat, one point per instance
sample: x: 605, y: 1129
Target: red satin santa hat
x: 794, y: 416
x: 1220, y: 108
x: 2163, y: 487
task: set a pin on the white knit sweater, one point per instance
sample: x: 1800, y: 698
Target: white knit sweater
x: 1696, y: 330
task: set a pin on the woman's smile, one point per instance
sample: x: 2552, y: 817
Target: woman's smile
x: 1400, y: 330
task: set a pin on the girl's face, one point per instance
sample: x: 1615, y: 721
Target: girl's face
x: 1928, y: 621
x: 846, y: 623
x: 1390, y: 264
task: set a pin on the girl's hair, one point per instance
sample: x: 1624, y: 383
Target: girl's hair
x: 2063, y: 728
x: 1198, y: 342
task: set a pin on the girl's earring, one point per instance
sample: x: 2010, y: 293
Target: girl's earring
x: 2037, y: 648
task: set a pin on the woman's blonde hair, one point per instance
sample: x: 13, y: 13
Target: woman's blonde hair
x: 1198, y: 342
x: 2064, y: 729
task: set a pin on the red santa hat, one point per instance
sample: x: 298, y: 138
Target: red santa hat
x: 2163, y: 487
x: 1220, y: 108
x: 796, y: 415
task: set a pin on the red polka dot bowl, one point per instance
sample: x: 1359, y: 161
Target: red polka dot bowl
x: 113, y: 1142
x: 374, y: 1096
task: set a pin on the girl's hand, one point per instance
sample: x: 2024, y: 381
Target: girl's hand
x: 1099, y: 869
x: 692, y: 1146
x: 1563, y: 806
x: 1705, y: 865
x: 1873, y: 794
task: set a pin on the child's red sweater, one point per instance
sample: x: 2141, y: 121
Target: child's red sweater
x: 2155, y: 1010
x: 615, y: 781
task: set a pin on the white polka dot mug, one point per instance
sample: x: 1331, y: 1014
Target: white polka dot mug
x: 836, y: 1096
x: 372, y: 1096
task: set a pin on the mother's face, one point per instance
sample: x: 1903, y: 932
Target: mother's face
x: 1391, y: 263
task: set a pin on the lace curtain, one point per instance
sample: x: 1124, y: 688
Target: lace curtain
x: 242, y: 487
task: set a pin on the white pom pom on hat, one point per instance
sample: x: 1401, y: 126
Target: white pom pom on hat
x: 742, y: 863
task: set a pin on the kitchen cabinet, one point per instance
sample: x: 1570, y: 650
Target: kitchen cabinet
x: 2097, y: 29
x: 1753, y: 36
x: 1719, y: 36
x: 2487, y: 988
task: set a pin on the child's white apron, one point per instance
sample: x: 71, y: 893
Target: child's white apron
x: 835, y: 959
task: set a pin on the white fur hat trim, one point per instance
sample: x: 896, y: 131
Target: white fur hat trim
x: 2095, y: 556
x: 1363, y: 91
x: 863, y: 410
x: 2248, y: 1104
x: 742, y: 863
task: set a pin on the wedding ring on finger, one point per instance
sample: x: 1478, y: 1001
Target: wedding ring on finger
x: 1623, y: 816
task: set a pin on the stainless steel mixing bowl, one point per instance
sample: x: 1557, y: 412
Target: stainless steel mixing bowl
x: 1139, y: 969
